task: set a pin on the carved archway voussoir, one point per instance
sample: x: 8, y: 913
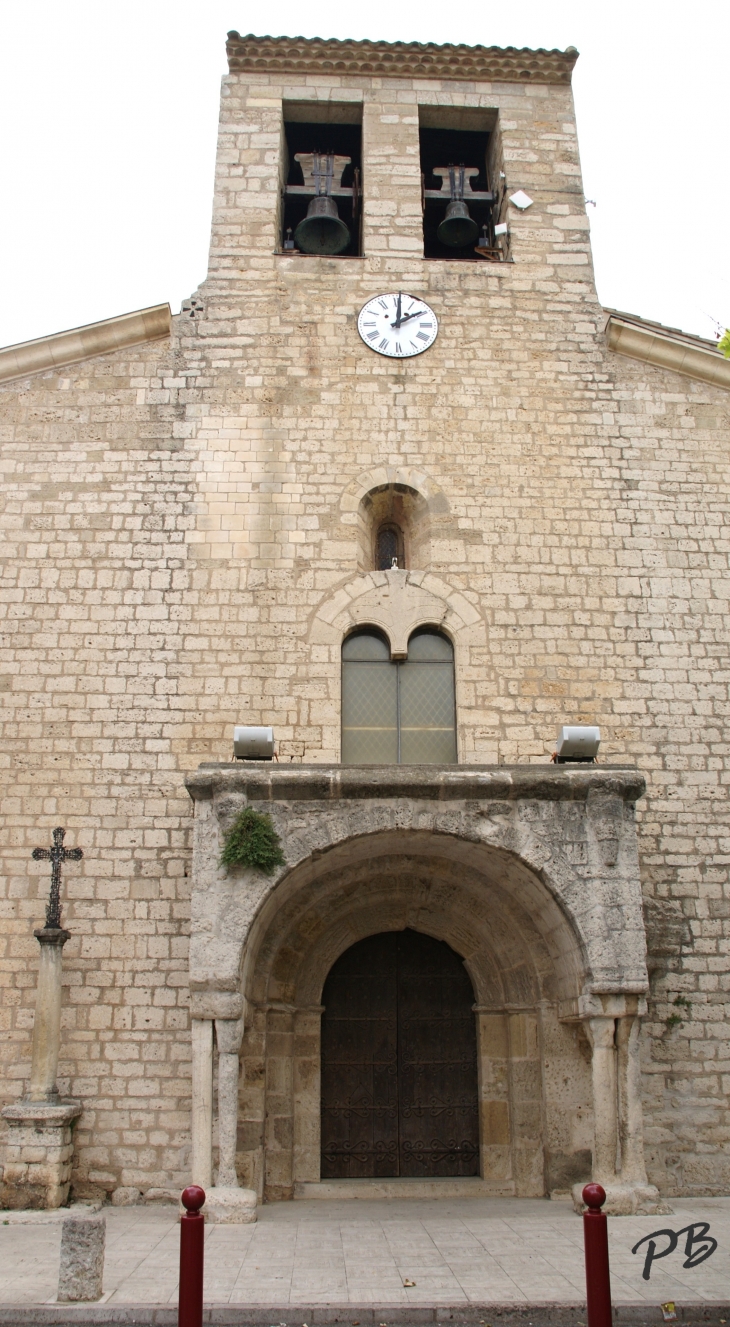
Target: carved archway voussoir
x: 382, y: 475
x: 398, y: 602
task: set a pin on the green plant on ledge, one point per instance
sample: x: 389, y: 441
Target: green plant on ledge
x: 676, y: 1020
x: 253, y: 841
x: 724, y: 344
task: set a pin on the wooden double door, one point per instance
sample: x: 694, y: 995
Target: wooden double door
x: 399, y: 1061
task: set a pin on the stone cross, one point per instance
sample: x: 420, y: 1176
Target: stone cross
x: 56, y: 856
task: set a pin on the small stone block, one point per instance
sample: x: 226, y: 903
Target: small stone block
x: 81, y: 1267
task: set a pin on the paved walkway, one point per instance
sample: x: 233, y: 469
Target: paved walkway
x: 398, y: 1253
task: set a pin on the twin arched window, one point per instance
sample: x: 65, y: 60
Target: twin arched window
x: 398, y: 713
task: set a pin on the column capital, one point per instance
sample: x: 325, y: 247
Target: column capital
x: 52, y: 935
x: 619, y: 1005
x: 216, y: 1004
x: 229, y: 1034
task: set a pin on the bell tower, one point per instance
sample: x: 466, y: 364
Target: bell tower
x: 353, y: 170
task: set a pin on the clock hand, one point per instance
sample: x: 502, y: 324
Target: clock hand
x: 397, y: 316
x: 417, y: 314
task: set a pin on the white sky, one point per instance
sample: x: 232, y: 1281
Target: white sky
x: 109, y: 116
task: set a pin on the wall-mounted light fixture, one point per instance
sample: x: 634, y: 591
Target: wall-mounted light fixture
x: 577, y: 744
x: 253, y: 744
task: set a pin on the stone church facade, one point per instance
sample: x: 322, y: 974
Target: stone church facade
x: 193, y: 509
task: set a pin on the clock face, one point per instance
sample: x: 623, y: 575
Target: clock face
x: 397, y: 325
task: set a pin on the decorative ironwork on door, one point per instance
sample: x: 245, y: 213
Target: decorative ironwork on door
x: 399, y: 1061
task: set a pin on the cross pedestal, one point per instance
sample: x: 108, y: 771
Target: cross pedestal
x: 38, y: 1154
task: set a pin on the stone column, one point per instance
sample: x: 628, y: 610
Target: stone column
x: 631, y: 1123
x: 602, y: 1036
x: 612, y: 1027
x: 47, y: 1024
x: 229, y: 1033
x: 201, y: 1124
x: 226, y: 1202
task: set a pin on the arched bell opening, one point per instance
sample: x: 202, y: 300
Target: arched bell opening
x: 522, y: 956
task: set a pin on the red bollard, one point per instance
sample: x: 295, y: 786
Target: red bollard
x: 192, y: 1231
x: 595, y: 1240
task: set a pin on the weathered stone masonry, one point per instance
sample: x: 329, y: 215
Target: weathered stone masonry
x: 183, y: 549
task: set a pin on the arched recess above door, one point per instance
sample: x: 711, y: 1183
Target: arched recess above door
x: 398, y: 602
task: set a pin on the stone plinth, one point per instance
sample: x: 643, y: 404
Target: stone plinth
x: 230, y: 1206
x: 38, y: 1154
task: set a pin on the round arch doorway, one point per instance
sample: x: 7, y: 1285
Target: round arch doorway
x: 399, y: 1061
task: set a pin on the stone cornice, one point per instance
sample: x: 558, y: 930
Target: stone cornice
x: 653, y: 344
x: 42, y: 1114
x: 475, y: 64
x: 264, y: 782
x: 55, y: 352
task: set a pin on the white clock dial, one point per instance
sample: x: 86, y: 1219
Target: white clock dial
x: 398, y: 325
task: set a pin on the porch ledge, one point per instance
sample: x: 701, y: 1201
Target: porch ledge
x: 261, y: 781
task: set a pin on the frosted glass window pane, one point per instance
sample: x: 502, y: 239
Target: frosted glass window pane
x: 427, y: 714
x: 381, y: 700
x: 369, y: 713
x: 365, y: 645
x: 428, y: 645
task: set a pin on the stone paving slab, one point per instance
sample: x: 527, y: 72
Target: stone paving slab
x: 306, y: 1258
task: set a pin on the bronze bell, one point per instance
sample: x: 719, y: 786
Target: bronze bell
x: 457, y: 227
x: 322, y: 231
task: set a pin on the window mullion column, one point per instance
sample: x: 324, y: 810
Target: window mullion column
x: 397, y: 704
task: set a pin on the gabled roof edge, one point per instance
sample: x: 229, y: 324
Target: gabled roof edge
x: 653, y: 344
x: 398, y: 59
x: 62, y: 348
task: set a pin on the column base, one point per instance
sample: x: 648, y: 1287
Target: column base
x: 626, y: 1200
x: 230, y: 1207
x: 38, y: 1154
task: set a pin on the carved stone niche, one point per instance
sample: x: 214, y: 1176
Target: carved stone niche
x: 529, y: 872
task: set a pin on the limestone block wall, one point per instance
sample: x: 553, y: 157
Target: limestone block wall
x: 178, y: 520
x: 94, y: 584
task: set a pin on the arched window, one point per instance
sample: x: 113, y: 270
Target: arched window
x: 398, y: 713
x: 389, y: 546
